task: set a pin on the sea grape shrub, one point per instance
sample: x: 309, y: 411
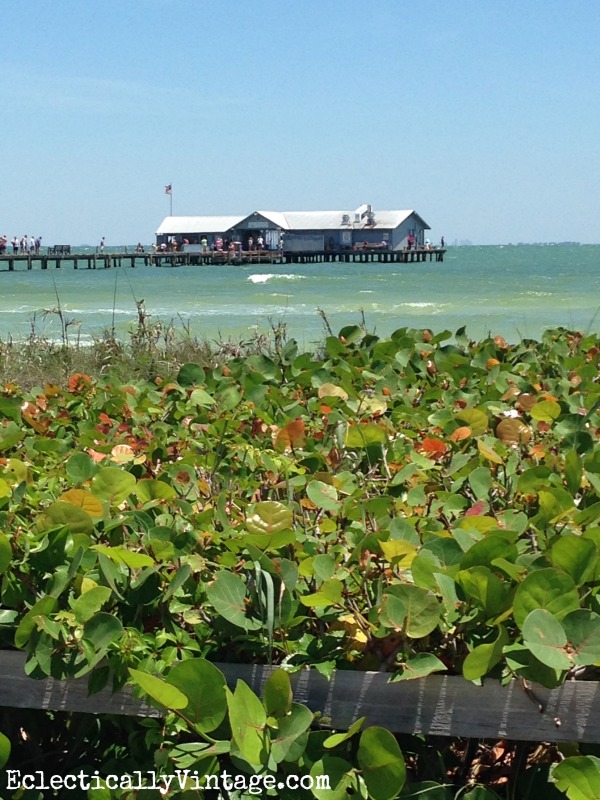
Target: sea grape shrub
x: 416, y: 504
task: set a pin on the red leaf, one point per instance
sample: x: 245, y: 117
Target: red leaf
x: 291, y: 435
x: 434, y: 447
x: 477, y: 509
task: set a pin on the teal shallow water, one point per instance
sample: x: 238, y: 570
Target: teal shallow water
x: 515, y: 291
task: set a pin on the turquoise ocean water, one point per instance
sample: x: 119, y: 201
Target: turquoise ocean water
x: 515, y: 291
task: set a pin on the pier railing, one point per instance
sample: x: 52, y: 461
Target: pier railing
x: 61, y: 255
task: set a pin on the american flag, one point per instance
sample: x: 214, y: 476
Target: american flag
x: 168, y: 189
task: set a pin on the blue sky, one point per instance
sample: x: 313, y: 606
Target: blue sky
x: 483, y: 115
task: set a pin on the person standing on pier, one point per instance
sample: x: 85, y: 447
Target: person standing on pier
x: 15, y: 245
x: 410, y: 241
x: 102, y: 245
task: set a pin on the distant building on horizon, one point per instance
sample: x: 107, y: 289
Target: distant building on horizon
x: 300, y: 231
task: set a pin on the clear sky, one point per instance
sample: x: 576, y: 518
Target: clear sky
x: 482, y: 115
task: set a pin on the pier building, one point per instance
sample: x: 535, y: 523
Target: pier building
x: 299, y: 231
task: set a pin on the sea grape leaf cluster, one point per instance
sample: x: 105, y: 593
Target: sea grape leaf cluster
x: 413, y: 504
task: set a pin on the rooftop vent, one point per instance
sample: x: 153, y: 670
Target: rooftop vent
x: 345, y: 219
x: 356, y: 219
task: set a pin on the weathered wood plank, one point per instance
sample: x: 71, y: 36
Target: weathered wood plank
x: 437, y: 705
x: 445, y: 705
x: 19, y: 691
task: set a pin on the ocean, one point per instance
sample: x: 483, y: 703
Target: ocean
x: 515, y: 291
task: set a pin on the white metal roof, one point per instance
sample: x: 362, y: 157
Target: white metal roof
x: 206, y: 224
x: 290, y: 220
x: 332, y: 220
x: 278, y: 217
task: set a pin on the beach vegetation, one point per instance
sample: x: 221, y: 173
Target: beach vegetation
x: 413, y: 505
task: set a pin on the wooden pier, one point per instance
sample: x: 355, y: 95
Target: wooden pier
x: 10, y: 262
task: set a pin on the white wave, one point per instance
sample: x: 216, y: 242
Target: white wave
x: 130, y: 312
x: 420, y: 305
x: 268, y: 276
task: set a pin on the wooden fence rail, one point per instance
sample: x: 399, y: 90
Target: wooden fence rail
x: 436, y: 705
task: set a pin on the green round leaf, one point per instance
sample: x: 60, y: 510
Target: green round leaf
x: 382, y: 763
x: 113, y: 484
x: 351, y: 334
x: 248, y: 720
x: 269, y: 517
x: 43, y: 607
x: 545, y: 588
x: 60, y: 513
x: 578, y: 777
x: 291, y: 728
x: 484, y: 657
x: 420, y: 666
x: 484, y: 552
x: 190, y: 375
x: 323, y: 495
x: 328, y: 594
x: 204, y: 686
x: 341, y: 778
x: 332, y: 390
x: 476, y: 420
x: 582, y: 629
x: 359, y: 436
x: 544, y: 635
x: 227, y: 594
x: 487, y: 590
x: 121, y: 555
x: 102, y: 629
x: 159, y: 690
x: 410, y: 609
x: 576, y: 556
x: 4, y: 750
x: 277, y: 694
x: 229, y: 398
x: 81, y: 468
x: 5, y: 553
x: 200, y: 397
x: 90, y: 602
x: 545, y: 411
x: 151, y: 489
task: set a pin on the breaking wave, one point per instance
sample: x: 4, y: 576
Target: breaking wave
x: 269, y: 276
